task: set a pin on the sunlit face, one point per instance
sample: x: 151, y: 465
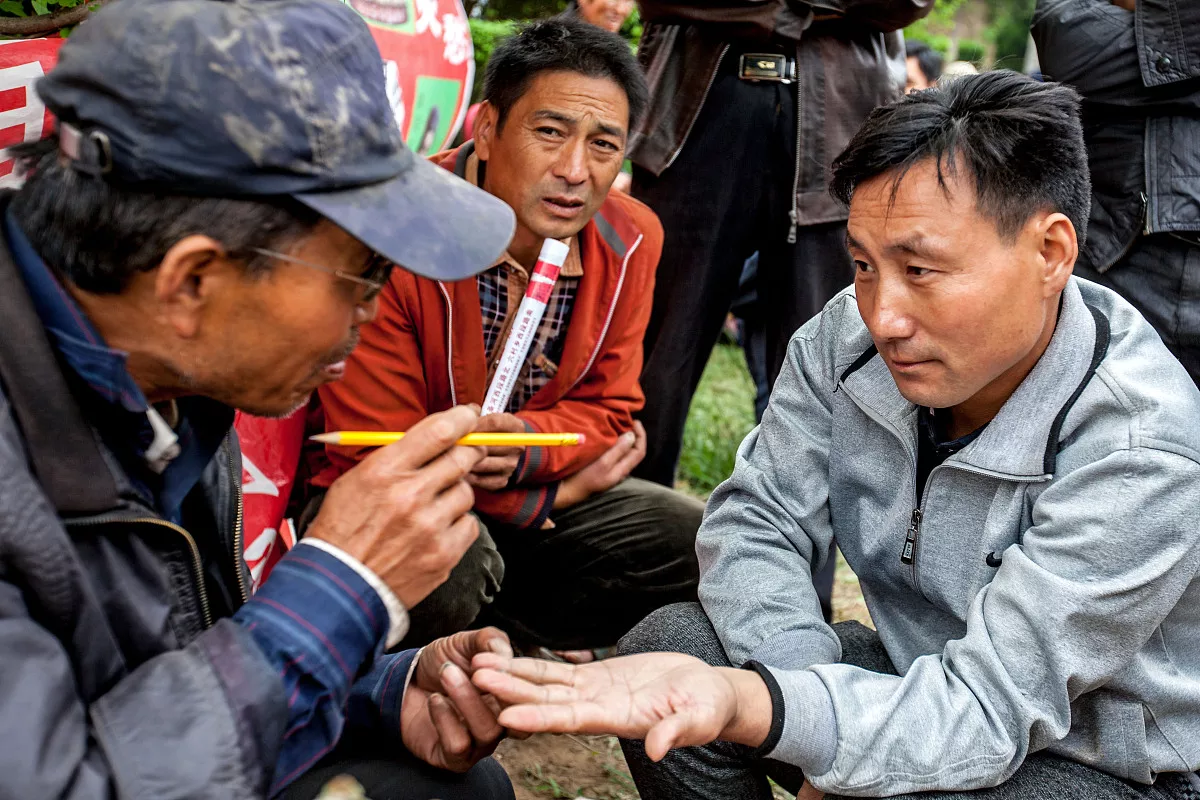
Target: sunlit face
x: 559, y: 151
x: 955, y: 309
x: 267, y: 342
x: 607, y: 14
x: 915, y: 79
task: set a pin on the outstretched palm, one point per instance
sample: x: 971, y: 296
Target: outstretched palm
x: 670, y: 700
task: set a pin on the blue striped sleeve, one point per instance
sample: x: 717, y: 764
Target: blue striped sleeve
x: 322, y: 626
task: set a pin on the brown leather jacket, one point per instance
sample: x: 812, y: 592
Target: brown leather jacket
x: 850, y: 58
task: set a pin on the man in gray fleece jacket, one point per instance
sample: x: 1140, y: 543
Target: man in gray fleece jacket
x: 1010, y: 460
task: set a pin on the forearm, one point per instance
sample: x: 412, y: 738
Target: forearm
x: 317, y: 622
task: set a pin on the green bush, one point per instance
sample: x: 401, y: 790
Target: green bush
x: 486, y: 34
x: 721, y: 415
x: 29, y: 8
x: 972, y: 51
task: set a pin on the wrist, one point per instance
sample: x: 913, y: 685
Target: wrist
x: 568, y: 495
x: 753, y: 708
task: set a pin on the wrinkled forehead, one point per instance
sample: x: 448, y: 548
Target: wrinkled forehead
x: 575, y: 98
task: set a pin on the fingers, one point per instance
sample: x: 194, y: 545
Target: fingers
x: 639, y: 436
x: 492, y: 640
x: 428, y: 439
x: 512, y: 690
x: 459, y: 536
x: 480, y: 720
x: 453, y: 735
x: 564, y: 718
x: 499, y: 459
x: 500, y: 423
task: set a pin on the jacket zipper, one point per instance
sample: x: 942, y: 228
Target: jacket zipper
x: 239, y: 557
x: 449, y: 342
x: 794, y: 214
x: 704, y: 97
x: 912, y: 537
x: 612, y: 309
x: 197, y: 566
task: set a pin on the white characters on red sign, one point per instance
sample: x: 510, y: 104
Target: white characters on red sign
x: 427, y: 17
x: 395, y: 92
x: 22, y: 113
x: 457, y: 39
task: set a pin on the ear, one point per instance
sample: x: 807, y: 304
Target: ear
x: 1058, y: 249
x: 188, y: 279
x: 486, y: 122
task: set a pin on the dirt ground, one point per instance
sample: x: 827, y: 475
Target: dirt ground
x: 549, y: 766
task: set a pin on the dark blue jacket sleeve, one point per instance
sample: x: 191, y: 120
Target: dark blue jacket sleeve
x: 322, y: 626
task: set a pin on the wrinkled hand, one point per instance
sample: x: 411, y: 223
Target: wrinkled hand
x: 670, y: 700
x: 403, y: 511
x: 495, y: 470
x: 444, y: 720
x: 606, y: 471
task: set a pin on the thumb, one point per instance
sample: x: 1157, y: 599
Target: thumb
x: 665, y: 735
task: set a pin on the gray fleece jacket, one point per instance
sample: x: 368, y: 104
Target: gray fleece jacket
x: 1052, y: 601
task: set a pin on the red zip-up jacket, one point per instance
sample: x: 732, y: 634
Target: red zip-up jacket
x: 424, y: 353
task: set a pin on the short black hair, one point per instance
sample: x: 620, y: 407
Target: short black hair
x: 928, y: 59
x: 98, y: 235
x: 1021, y: 140
x: 562, y: 44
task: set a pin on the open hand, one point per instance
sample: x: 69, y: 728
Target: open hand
x: 668, y: 699
x: 444, y: 720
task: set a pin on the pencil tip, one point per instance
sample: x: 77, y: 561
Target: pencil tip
x: 324, y: 438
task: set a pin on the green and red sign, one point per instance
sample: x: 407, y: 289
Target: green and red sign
x: 429, y: 65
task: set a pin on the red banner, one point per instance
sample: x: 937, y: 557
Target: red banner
x: 23, y: 117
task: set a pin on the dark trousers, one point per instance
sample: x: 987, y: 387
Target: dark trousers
x: 607, y: 563
x: 724, y: 771
x: 727, y: 195
x: 1160, y: 276
x: 401, y: 776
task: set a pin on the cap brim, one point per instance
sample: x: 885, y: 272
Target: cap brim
x: 427, y: 221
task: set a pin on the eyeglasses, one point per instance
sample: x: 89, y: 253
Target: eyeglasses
x: 375, y: 277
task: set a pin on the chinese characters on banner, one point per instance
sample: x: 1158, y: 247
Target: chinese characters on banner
x: 23, y: 117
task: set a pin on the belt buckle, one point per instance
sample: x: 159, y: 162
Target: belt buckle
x: 770, y: 67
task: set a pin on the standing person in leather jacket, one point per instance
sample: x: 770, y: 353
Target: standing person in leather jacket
x: 749, y: 103
x: 1137, y: 65
x: 207, y: 230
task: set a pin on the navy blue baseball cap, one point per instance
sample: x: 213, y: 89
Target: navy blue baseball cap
x: 251, y: 98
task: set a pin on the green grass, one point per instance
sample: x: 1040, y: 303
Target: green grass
x: 721, y: 415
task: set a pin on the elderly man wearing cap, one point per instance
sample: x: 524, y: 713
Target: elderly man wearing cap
x: 208, y: 231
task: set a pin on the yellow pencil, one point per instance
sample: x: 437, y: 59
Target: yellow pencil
x: 381, y: 438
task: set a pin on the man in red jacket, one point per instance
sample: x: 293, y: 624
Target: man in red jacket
x: 572, y: 553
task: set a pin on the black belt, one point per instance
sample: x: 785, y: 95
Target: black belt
x: 766, y: 67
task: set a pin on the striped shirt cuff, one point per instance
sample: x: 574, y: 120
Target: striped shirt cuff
x: 397, y: 615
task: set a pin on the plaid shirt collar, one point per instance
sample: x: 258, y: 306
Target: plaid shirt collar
x: 571, y: 268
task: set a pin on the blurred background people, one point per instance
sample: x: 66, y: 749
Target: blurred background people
x: 923, y: 63
x: 1138, y: 69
